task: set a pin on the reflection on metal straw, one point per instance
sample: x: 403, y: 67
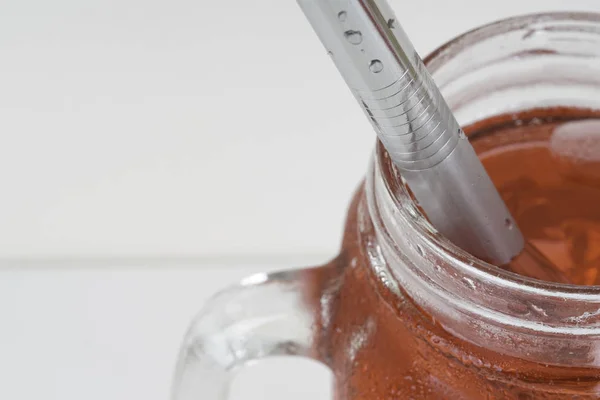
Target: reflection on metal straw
x: 415, y: 125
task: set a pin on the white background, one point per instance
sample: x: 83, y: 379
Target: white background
x: 153, y: 151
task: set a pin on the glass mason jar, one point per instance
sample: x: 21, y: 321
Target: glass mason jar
x: 403, y: 313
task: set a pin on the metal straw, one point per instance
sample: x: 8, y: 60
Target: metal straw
x: 415, y: 125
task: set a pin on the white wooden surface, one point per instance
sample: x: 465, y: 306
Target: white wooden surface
x: 113, y: 333
x: 186, y: 128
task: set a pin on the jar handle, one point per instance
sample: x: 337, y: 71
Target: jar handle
x: 265, y: 315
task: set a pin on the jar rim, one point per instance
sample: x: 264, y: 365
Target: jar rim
x: 447, y: 50
x: 575, y: 295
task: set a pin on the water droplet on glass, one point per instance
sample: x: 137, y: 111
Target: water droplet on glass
x: 342, y: 16
x: 376, y: 66
x: 538, y: 310
x: 535, y: 121
x: 391, y: 23
x: 469, y: 283
x: 330, y: 53
x: 354, y: 37
x: 529, y: 34
x: 420, y: 251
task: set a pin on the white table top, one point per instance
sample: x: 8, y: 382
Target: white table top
x: 187, y: 127
x: 184, y: 128
x: 112, y: 332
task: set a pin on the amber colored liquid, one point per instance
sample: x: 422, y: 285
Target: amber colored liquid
x: 380, y: 346
x: 548, y: 173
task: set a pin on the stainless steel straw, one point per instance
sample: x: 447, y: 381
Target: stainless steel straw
x: 415, y: 125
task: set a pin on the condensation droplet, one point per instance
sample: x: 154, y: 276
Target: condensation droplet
x: 420, y: 250
x: 538, y: 310
x: 529, y: 34
x: 354, y: 37
x: 342, y: 16
x: 535, y: 121
x: 508, y: 223
x: 469, y: 283
x: 391, y: 23
x: 330, y: 53
x: 376, y: 66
